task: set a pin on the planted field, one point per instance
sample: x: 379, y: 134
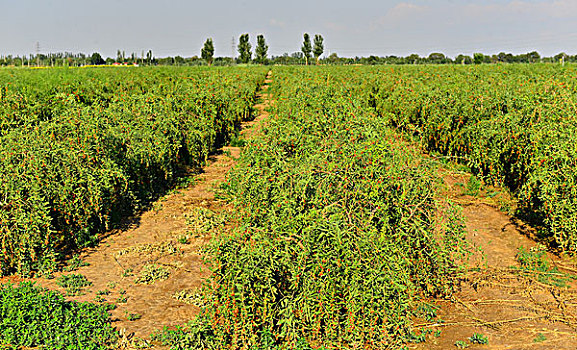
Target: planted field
x: 342, y: 233
x: 81, y: 148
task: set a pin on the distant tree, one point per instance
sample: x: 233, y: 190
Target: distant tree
x: 412, y: 59
x: 96, y: 59
x: 333, y: 58
x: 149, y: 57
x: 560, y: 57
x: 179, y: 61
x: 437, y: 57
x: 318, y: 48
x: 207, y: 51
x: 307, y: 47
x: 261, y: 50
x: 463, y: 59
x: 478, y: 58
x: 533, y: 57
x: 244, y: 49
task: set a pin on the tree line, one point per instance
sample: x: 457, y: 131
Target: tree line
x: 310, y: 49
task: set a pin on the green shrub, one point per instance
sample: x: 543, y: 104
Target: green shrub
x: 34, y: 317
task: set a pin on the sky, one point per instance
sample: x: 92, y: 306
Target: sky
x: 350, y: 27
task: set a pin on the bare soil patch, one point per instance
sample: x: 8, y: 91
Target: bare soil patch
x: 513, y: 308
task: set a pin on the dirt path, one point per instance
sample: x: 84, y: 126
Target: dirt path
x: 152, y: 269
x: 513, y: 309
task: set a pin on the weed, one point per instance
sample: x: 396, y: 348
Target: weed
x: 478, y: 338
x: 427, y: 311
x: 75, y: 263
x: 73, y: 283
x: 421, y: 337
x: 33, y: 317
x: 461, y: 344
x: 189, y: 296
x: 536, y: 264
x: 103, y: 292
x: 184, y: 182
x: 133, y: 316
x: 152, y: 273
x: 539, y: 338
x: 202, y: 220
x: 157, y: 206
x: 473, y: 186
x: 162, y: 248
x: 237, y: 141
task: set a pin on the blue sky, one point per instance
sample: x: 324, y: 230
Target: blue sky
x: 350, y: 28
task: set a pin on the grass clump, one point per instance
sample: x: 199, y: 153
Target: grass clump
x: 152, y: 273
x: 73, y: 283
x: 75, y: 263
x: 31, y: 316
x: 535, y: 263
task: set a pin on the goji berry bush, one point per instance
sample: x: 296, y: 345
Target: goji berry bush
x: 340, y: 231
x: 81, y: 148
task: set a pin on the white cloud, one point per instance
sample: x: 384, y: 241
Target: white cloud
x: 276, y: 23
x: 399, y: 14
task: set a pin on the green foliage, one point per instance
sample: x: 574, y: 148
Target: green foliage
x: 512, y: 125
x: 207, y: 51
x: 460, y: 344
x: 261, y: 50
x: 473, y: 186
x: 478, y: 338
x: 244, y: 49
x: 237, y: 141
x: 307, y: 47
x: 75, y: 263
x: 152, y: 273
x: 539, y: 338
x: 427, y: 311
x: 34, y: 317
x: 73, y: 283
x: 319, y: 47
x: 338, y: 236
x: 478, y: 58
x: 79, y: 149
x: 133, y: 316
x: 96, y: 59
x: 536, y: 264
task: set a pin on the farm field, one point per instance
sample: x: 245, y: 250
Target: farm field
x: 371, y: 207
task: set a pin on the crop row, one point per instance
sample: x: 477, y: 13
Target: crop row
x: 340, y: 233
x: 85, y: 147
x: 514, y: 126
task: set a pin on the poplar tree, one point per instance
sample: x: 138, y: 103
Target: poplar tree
x: 261, y: 49
x: 207, y: 52
x: 319, y: 48
x: 244, y: 49
x: 306, y: 48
